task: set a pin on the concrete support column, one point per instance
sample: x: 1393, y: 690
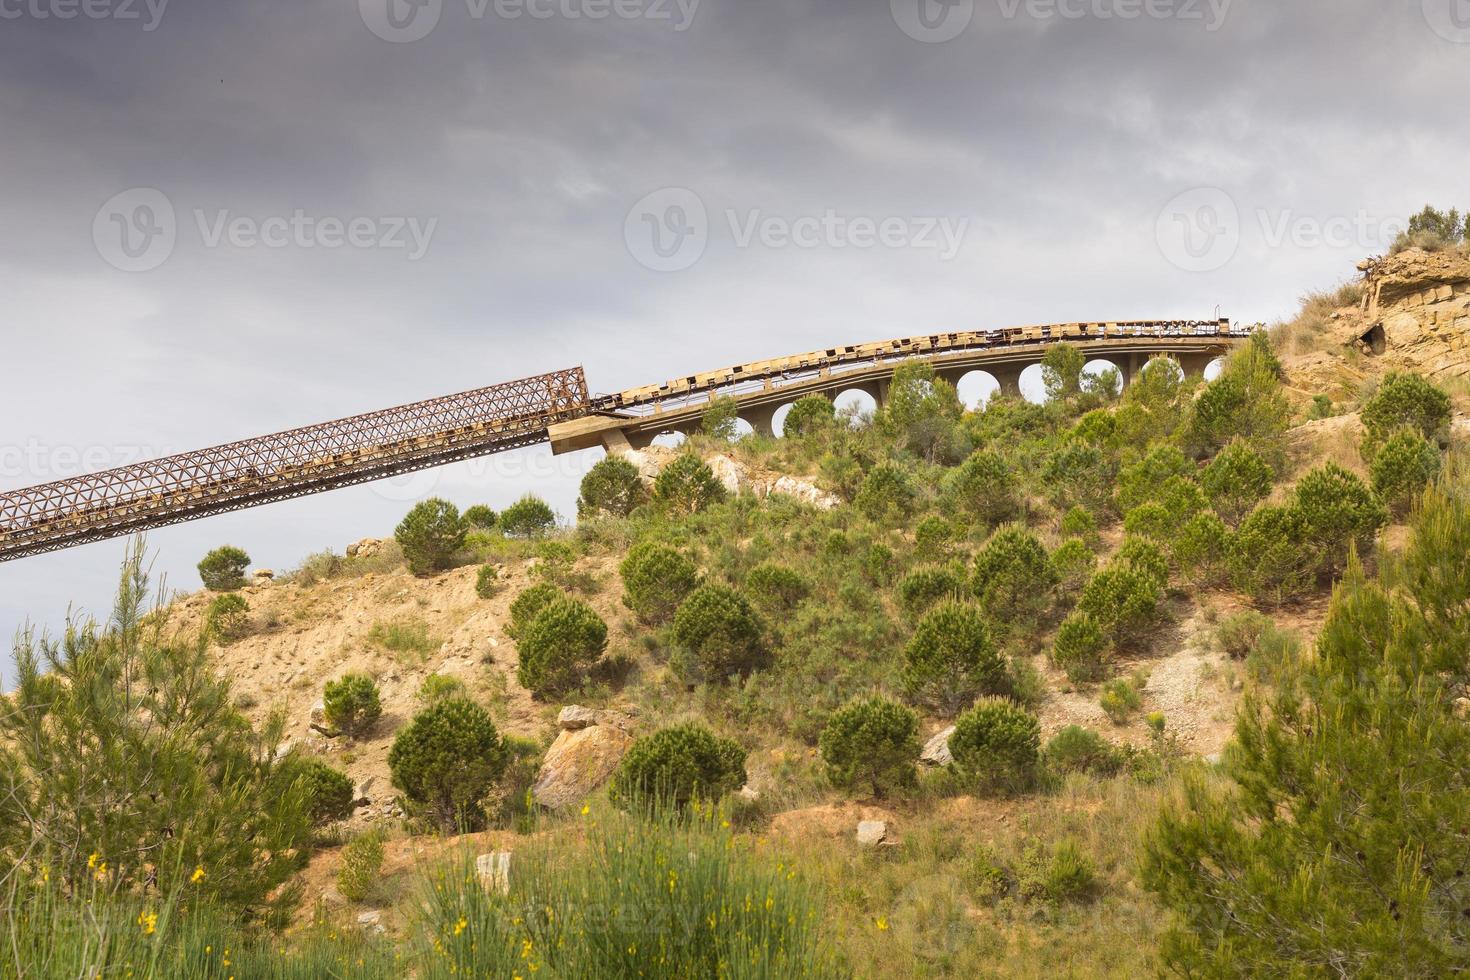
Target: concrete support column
x: 953, y: 375
x: 1193, y: 365
x: 1009, y: 376
x: 762, y: 419
x: 616, y: 442
x: 1130, y: 367
x: 879, y: 390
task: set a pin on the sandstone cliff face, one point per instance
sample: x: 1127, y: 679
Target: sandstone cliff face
x: 1415, y: 314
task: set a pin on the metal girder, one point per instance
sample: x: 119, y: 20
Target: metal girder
x: 288, y: 464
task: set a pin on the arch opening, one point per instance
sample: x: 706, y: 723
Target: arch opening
x: 778, y: 420
x: 669, y: 439
x: 1214, y: 368
x: 976, y: 388
x: 855, y: 404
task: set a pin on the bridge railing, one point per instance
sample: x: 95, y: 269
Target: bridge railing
x: 287, y: 464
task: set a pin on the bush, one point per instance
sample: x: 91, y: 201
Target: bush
x: 612, y: 486
x: 677, y: 765
x: 479, y: 516
x: 719, y: 418
x: 362, y: 861
x: 560, y: 644
x: 555, y: 561
x: 984, y: 487
x: 920, y: 589
x: 351, y: 704
x: 228, y: 617
x: 886, y: 496
x: 656, y: 578
x: 1074, y: 563
x: 932, y: 537
x: 439, y: 687
x: 1060, y: 874
x: 871, y: 745
x: 808, y: 414
x: 878, y: 564
x: 719, y: 632
x: 487, y: 581
x: 1245, y: 402
x: 223, y: 569
x: 329, y: 793
x: 997, y: 746
x: 1146, y: 557
x: 446, y: 760
x: 1239, y: 631
x: 1061, y: 370
x: 1142, y: 481
x: 1267, y: 558
x: 1078, y: 475
x: 1079, y: 522
x: 1199, y: 547
x: 430, y: 535
x: 526, y: 606
x: 1404, y: 401
x: 1236, y: 480
x: 1079, y: 648
x: 1148, y: 519
x: 529, y: 517
x: 1121, y: 600
x: 1013, y: 577
x: 1338, y: 512
x: 1078, y: 749
x: 688, y: 486
x: 952, y: 658
x: 776, y: 587
x: 1120, y: 699
x: 1402, y: 468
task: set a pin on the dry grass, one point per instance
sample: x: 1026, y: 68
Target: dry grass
x: 1301, y: 335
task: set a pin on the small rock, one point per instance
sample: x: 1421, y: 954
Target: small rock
x: 494, y: 871
x: 332, y: 896
x: 1462, y: 707
x: 263, y: 575
x: 748, y: 794
x: 318, y: 714
x: 366, y: 548
x: 728, y: 472
x: 936, y: 750
x: 872, y: 833
x: 284, y: 749
x: 370, y: 918
x: 577, y: 763
x: 1213, y: 759
x: 574, y: 718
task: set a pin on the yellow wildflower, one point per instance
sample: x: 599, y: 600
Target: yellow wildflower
x: 197, y: 876
x: 459, y: 926
x: 148, y: 922
x: 882, y: 924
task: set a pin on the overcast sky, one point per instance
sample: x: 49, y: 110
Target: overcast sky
x: 224, y: 219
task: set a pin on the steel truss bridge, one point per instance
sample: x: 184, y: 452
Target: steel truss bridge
x: 554, y: 407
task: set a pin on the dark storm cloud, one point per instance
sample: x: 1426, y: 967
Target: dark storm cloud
x: 1056, y: 134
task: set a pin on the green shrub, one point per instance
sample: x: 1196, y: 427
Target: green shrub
x: 480, y: 517
x: 1013, y: 577
x: 351, y: 704
x: 656, y: 578
x: 871, y: 745
x: 330, y: 794
x: 1061, y: 370
x: 718, y: 421
x: 997, y: 746
x: 932, y: 537
x: 1236, y: 480
x: 559, y: 645
x: 1402, y: 468
x: 776, y: 587
x: 612, y: 486
x: 487, y: 581
x: 1059, y: 874
x: 1267, y: 558
x: 1078, y: 475
x: 555, y: 561
x: 1119, y: 700
x: 446, y: 760
x: 952, y: 658
x: 1079, y: 522
x: 1338, y: 512
x: 527, y: 605
x: 407, y: 635
x: 688, y: 486
x: 678, y: 765
x: 223, y: 569
x: 430, y: 534
x: 719, y: 630
x: 1074, y: 563
x: 1142, y: 481
x: 1079, y: 648
x: 1245, y: 401
x: 1199, y: 548
x: 1238, y: 632
x: 1404, y: 401
x: 438, y: 687
x: 878, y: 564
x: 1149, y: 519
x: 228, y: 617
x: 362, y: 862
x: 1078, y: 749
x: 920, y: 589
x: 984, y: 486
x: 886, y: 496
x: 1145, y: 557
x: 808, y: 414
x: 529, y: 517
x: 1122, y: 601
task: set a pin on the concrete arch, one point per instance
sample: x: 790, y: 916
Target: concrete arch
x: 1033, y: 388
x: 976, y: 387
x: 865, y: 401
x: 669, y: 439
x: 778, y: 420
x: 1214, y: 368
x: 743, y: 428
x: 1098, y: 365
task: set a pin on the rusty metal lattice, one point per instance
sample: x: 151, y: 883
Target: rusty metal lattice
x: 288, y: 464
